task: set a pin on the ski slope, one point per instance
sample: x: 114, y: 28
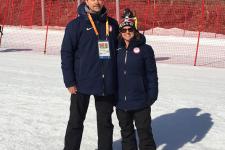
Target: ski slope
x: 34, y: 106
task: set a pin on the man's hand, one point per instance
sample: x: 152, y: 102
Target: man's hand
x: 72, y: 90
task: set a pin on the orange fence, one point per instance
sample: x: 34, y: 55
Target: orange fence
x: 180, y: 32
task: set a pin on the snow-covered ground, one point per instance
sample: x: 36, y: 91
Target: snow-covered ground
x: 34, y: 106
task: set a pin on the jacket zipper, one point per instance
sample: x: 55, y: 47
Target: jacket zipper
x: 103, y: 75
x: 125, y: 73
x: 103, y: 78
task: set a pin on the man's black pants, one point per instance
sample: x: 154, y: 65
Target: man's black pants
x: 78, y: 110
x: 142, y: 121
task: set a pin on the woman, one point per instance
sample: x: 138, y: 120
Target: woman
x: 137, y: 86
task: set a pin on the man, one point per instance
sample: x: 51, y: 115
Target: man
x: 88, y: 66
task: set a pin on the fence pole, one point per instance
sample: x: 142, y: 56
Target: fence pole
x: 118, y: 10
x: 46, y: 37
x: 199, y: 33
x: 43, y: 12
x: 185, y: 20
x: 153, y: 22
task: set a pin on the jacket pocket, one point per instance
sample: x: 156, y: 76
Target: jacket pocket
x: 135, y: 87
x: 141, y: 85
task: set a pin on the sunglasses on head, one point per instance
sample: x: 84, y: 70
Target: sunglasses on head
x: 125, y: 30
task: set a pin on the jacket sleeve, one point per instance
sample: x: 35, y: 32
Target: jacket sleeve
x: 68, y: 49
x: 151, y: 74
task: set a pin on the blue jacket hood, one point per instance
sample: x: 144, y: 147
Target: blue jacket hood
x: 83, y: 9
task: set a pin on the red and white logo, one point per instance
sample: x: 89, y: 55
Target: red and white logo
x: 136, y: 50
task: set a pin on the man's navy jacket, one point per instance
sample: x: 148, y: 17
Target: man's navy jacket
x: 81, y: 65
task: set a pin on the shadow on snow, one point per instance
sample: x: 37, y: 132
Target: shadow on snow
x: 176, y: 129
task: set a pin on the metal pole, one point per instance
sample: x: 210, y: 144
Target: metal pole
x: 199, y: 32
x: 153, y: 22
x: 43, y: 12
x: 78, y: 3
x: 46, y: 37
x: 154, y: 4
x: 118, y: 10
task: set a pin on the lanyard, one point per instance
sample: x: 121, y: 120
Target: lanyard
x: 94, y: 26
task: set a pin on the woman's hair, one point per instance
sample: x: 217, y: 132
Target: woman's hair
x: 136, y: 35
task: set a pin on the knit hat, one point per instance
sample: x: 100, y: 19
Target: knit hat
x: 128, y: 19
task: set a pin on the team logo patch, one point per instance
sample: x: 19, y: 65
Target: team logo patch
x: 110, y: 29
x: 136, y: 50
x: 88, y: 29
x: 119, y: 49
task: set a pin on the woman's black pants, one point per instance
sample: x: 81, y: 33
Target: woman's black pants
x: 142, y: 119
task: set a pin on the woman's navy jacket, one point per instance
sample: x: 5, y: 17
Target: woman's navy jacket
x: 137, y: 75
x: 81, y: 65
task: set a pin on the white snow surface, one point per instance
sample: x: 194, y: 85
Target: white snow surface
x: 34, y: 106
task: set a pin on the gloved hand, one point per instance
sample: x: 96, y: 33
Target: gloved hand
x: 151, y: 100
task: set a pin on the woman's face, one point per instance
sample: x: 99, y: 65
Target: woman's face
x: 127, y: 33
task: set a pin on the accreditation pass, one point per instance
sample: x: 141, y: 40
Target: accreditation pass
x: 104, y: 52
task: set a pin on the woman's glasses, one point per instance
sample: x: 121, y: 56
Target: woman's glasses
x: 125, y: 30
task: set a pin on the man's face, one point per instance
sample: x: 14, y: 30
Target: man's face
x: 95, y: 5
